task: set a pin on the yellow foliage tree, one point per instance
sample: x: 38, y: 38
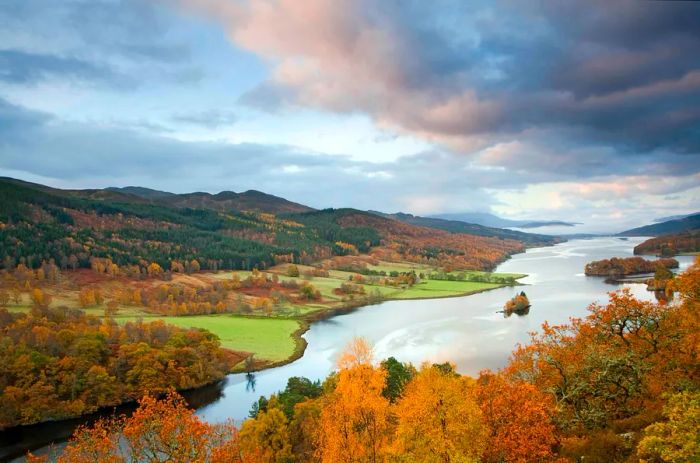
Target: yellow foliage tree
x: 267, y: 437
x: 355, y: 422
x: 439, y: 419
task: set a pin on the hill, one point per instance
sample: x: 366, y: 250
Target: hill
x: 251, y: 200
x: 135, y: 227
x: 671, y: 245
x: 691, y: 222
x: 458, y: 226
x: 490, y: 220
x: 146, y: 193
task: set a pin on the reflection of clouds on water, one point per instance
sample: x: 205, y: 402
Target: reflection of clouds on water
x: 566, y: 253
x: 328, y: 322
x: 494, y: 316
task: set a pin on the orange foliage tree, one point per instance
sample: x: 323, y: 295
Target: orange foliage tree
x: 158, y: 431
x: 354, y: 421
x: 519, y: 419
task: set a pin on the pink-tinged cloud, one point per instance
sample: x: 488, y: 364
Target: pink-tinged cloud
x: 337, y: 55
x: 472, y: 77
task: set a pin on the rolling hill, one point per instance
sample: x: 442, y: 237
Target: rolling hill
x: 134, y: 227
x: 688, y: 223
x: 251, y: 200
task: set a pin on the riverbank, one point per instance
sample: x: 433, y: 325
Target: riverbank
x: 423, y: 290
x: 265, y: 317
x: 308, y: 320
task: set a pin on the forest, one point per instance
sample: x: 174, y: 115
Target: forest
x: 619, y: 385
x: 57, y: 364
x: 671, y: 245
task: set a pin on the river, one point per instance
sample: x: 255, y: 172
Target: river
x: 468, y: 331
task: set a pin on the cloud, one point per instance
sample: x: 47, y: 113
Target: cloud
x: 560, y: 106
x: 470, y: 76
x: 85, y: 155
x: 20, y: 67
x: 118, y: 45
x: 81, y: 155
x: 211, y: 118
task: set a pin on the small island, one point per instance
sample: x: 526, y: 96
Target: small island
x: 617, y: 267
x: 519, y: 304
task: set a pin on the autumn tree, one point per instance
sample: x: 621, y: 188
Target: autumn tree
x: 158, y: 431
x: 354, y: 421
x: 678, y: 439
x: 519, y: 419
x: 439, y: 419
x: 267, y: 436
x: 292, y: 270
x: 40, y: 299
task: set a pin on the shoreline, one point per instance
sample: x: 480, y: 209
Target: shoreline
x: 307, y: 320
x: 300, y: 345
x: 300, y: 348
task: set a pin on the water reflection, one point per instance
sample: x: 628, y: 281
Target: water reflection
x: 519, y: 312
x: 250, y: 382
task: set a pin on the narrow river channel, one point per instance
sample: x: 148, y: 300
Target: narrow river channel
x: 468, y: 331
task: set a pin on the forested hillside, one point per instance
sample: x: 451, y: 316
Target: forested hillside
x: 691, y: 222
x: 57, y: 363
x: 135, y: 227
x: 671, y: 245
x: 251, y: 200
x: 460, y: 226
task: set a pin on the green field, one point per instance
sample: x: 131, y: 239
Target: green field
x: 269, y: 338
x: 439, y: 288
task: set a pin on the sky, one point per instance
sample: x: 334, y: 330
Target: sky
x: 562, y: 110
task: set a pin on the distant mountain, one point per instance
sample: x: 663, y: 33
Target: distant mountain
x: 459, y: 226
x: 251, y: 200
x: 142, y: 192
x: 490, y: 220
x: 691, y: 222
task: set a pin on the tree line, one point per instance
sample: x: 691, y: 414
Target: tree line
x: 60, y: 363
x: 619, y: 385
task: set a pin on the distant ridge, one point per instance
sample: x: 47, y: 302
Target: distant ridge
x: 146, y: 193
x: 251, y: 200
x: 688, y: 223
x: 458, y: 226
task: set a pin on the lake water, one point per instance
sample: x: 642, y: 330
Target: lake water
x: 468, y: 331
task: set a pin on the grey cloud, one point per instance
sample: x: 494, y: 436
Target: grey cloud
x: 116, y: 44
x: 19, y: 67
x: 211, y: 118
x: 87, y: 156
